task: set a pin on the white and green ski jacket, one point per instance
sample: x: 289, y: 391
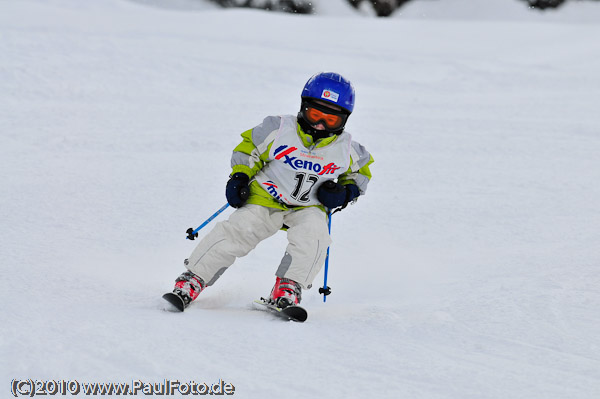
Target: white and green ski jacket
x: 286, y: 167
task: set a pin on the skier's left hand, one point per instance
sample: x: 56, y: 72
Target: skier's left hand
x: 333, y: 195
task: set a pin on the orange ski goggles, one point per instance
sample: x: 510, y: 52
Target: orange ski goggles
x: 331, y: 119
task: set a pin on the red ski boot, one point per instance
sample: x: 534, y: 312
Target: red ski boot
x: 188, y: 286
x: 285, y: 293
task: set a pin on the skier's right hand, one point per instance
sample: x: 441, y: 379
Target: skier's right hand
x: 237, y: 191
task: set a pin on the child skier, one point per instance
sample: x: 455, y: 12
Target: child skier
x: 286, y: 173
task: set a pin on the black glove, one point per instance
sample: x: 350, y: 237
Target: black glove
x: 237, y: 191
x: 332, y: 194
x: 352, y: 192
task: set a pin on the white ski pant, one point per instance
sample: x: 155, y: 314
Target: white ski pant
x: 308, y: 239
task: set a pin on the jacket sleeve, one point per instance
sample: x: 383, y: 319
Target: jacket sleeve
x: 251, y: 154
x: 359, y: 172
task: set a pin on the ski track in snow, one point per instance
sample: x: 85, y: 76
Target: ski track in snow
x: 469, y: 270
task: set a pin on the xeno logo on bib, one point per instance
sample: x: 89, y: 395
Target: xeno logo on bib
x: 295, y: 163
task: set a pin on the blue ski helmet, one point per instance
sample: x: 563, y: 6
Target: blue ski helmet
x: 331, y: 87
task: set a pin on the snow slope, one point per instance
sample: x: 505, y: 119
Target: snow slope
x: 469, y: 270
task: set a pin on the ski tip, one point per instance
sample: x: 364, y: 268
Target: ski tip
x: 174, y: 300
x: 296, y: 313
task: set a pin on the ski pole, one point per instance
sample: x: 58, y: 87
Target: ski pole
x: 325, y: 290
x: 194, y: 233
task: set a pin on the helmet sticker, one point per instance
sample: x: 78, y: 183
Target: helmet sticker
x: 330, y: 95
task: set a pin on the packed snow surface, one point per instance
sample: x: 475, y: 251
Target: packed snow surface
x: 469, y: 270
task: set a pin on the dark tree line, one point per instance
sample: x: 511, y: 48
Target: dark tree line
x: 293, y: 6
x: 543, y: 4
x: 383, y: 8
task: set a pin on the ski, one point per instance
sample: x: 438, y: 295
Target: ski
x: 174, y: 300
x: 293, y: 313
